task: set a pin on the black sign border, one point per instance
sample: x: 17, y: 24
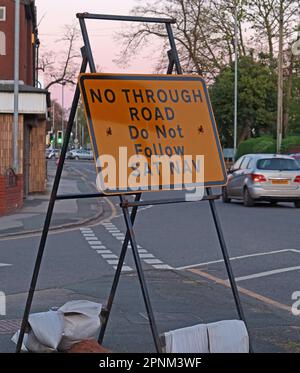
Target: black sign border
x: 159, y: 188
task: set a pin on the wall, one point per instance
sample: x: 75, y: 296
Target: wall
x: 37, y: 168
x: 11, y: 196
x: 26, y: 49
x: 6, y: 151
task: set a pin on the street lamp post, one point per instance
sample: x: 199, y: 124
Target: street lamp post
x: 62, y: 105
x: 235, y: 77
x: 280, y: 80
x: 16, y: 88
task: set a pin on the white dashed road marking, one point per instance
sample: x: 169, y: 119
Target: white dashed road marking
x: 101, y: 249
x: 143, y: 253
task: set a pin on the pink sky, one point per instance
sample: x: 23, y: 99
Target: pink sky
x: 54, y: 14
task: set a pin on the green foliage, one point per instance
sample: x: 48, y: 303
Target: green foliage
x: 267, y: 144
x: 257, y: 90
x: 264, y: 144
x: 291, y: 144
x: 294, y: 117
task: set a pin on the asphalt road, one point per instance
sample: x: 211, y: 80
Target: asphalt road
x: 183, y: 266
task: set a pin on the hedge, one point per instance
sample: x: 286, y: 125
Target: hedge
x: 291, y: 144
x: 266, y: 144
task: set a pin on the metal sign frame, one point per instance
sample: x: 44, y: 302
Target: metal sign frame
x: 125, y: 204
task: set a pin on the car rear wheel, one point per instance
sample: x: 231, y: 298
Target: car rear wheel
x: 297, y: 204
x: 225, y: 197
x: 248, y: 200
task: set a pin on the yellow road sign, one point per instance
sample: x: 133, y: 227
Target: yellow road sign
x: 149, y: 117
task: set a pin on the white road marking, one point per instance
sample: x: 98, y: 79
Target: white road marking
x: 267, y: 273
x: 144, y: 256
x: 234, y: 258
x: 162, y: 266
x: 153, y: 261
x: 112, y: 261
x: 5, y: 265
x: 109, y: 256
x: 124, y: 268
x: 139, y: 210
x: 143, y: 253
x: 102, y: 250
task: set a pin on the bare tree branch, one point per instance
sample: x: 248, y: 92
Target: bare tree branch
x: 62, y: 67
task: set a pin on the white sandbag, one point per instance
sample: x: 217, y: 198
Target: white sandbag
x: 46, y: 330
x: 15, y: 339
x: 192, y: 339
x: 228, y: 336
x: 61, y: 328
x: 81, y: 322
x: 44, y: 334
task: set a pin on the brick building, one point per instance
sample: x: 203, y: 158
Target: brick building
x: 31, y: 175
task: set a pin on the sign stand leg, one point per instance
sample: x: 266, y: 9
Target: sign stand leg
x: 141, y: 276
x: 175, y: 62
x: 50, y: 211
x: 105, y: 315
x: 226, y: 258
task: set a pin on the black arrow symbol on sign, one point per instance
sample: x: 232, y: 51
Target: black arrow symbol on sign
x: 200, y: 130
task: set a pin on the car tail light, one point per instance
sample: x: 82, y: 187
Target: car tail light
x: 297, y: 179
x: 258, y: 178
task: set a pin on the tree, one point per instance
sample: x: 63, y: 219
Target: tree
x: 59, y: 67
x: 256, y: 100
x: 294, y: 107
x: 204, y: 33
x: 264, y: 16
x: 203, y: 46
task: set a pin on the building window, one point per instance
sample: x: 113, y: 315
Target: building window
x: 2, y: 13
x: 2, y: 44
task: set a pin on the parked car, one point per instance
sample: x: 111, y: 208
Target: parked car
x: 263, y: 177
x: 80, y: 154
x: 52, y: 153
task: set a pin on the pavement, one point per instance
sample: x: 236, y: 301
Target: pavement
x: 69, y: 213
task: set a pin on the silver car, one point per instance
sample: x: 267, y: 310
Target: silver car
x: 80, y: 154
x: 264, y: 177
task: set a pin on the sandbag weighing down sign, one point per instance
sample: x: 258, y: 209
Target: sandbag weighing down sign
x: 152, y: 115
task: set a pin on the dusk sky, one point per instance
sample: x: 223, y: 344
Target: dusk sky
x: 53, y: 15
